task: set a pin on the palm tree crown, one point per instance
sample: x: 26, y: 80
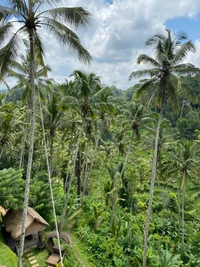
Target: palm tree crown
x: 166, y: 68
x: 31, y: 16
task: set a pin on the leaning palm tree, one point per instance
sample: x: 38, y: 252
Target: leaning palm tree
x: 32, y: 15
x: 164, y: 84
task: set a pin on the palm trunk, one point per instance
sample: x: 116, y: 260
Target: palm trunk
x: 68, y: 164
x: 183, y: 215
x: 21, y: 160
x: 85, y: 173
x: 127, y: 156
x: 2, y: 151
x: 51, y: 152
x: 153, y: 178
x: 179, y: 210
x: 181, y: 112
x: 31, y: 145
x: 70, y: 181
x: 92, y: 163
x: 131, y: 226
x: 115, y: 193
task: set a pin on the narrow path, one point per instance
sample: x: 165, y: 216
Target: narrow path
x: 77, y: 255
x: 32, y: 260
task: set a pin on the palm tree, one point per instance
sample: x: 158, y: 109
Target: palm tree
x: 163, y: 84
x: 20, y: 71
x: 53, y: 114
x: 87, y: 89
x: 185, y: 156
x: 32, y: 15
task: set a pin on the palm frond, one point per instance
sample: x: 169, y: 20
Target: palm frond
x: 18, y: 67
x: 42, y: 72
x: 70, y: 101
x: 5, y: 31
x: 76, y: 16
x: 9, y: 53
x: 186, y: 68
x: 143, y: 58
x: 39, y: 50
x: 183, y: 51
x: 7, y: 13
x: 187, y: 91
x: 173, y: 86
x: 50, y: 3
x: 154, y: 40
x: 145, y: 86
x: 146, y: 72
x: 18, y: 6
x: 2, y: 80
x: 67, y: 36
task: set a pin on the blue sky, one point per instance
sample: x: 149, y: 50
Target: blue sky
x: 117, y: 35
x: 189, y: 26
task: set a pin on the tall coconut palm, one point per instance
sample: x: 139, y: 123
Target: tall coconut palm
x: 185, y: 156
x: 20, y: 71
x: 86, y: 88
x: 163, y: 84
x: 32, y: 15
x: 53, y: 113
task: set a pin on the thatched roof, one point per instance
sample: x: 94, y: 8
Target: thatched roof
x: 3, y: 213
x: 13, y: 223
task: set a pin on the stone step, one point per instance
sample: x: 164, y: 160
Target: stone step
x: 32, y: 262
x: 30, y: 254
x: 31, y: 258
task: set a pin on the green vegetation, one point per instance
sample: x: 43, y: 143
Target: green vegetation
x: 8, y: 258
x: 40, y: 256
x: 105, y: 165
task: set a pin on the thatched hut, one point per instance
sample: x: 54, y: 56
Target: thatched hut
x: 34, y: 224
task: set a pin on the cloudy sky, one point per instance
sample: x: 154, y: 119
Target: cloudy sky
x: 117, y: 35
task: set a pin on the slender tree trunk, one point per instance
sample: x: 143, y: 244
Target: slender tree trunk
x: 182, y: 106
x: 66, y: 182
x: 76, y: 156
x: 131, y: 230
x: 153, y: 178
x: 31, y: 145
x: 183, y: 215
x: 51, y: 152
x: 21, y: 160
x: 115, y: 193
x: 127, y: 156
x: 120, y: 177
x: 85, y: 173
x: 92, y: 161
x: 179, y: 210
x: 78, y: 174
x: 2, y: 151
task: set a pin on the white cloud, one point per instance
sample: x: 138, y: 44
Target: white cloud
x: 117, y: 36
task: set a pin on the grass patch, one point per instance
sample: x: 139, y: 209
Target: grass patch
x: 40, y: 255
x: 7, y: 257
x: 79, y: 254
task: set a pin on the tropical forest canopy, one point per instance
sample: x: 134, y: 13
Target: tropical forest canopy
x: 123, y: 166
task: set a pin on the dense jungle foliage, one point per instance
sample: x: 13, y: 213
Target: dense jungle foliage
x: 100, y: 148
x: 117, y: 171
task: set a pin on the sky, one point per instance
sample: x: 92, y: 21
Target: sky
x: 117, y: 35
